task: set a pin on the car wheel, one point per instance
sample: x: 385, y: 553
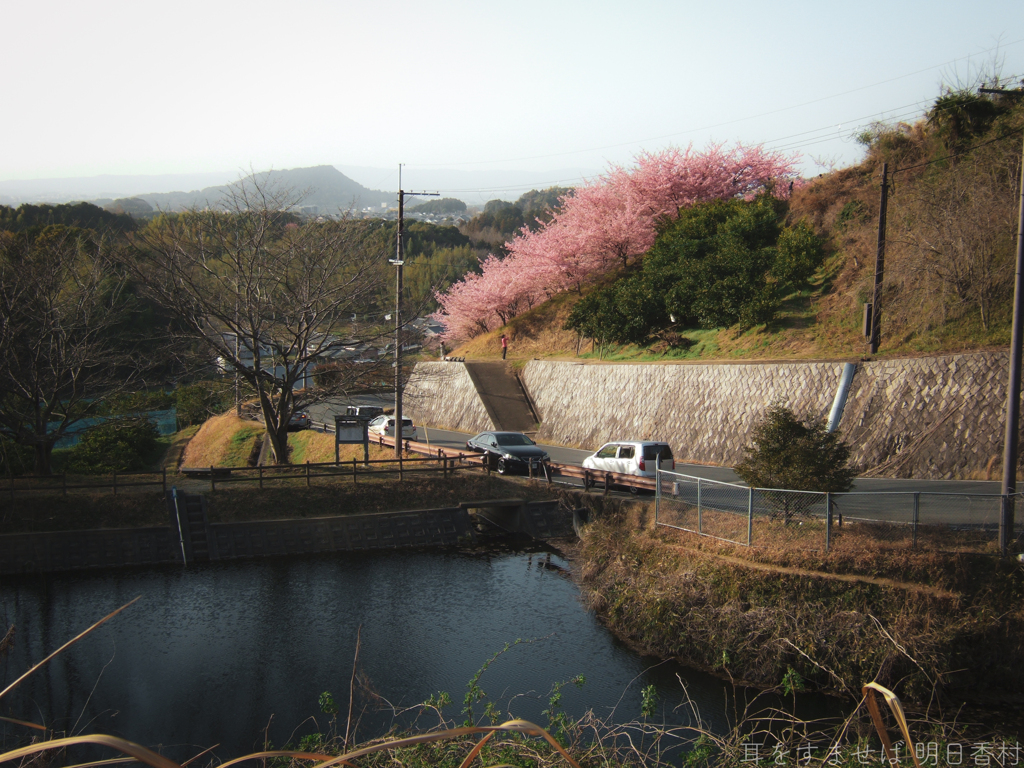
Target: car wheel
x: 502, y: 467
x: 634, y: 490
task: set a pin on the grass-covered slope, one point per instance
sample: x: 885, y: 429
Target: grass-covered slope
x: 951, y: 231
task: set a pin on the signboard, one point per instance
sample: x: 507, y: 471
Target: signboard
x: 349, y: 430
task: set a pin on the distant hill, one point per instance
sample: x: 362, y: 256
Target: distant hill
x: 86, y: 215
x: 323, y: 186
x: 329, y: 190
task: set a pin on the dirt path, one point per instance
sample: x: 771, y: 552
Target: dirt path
x: 882, y: 582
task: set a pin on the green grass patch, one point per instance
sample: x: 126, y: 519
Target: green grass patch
x: 240, y: 446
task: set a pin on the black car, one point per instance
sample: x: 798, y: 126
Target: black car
x: 508, y: 451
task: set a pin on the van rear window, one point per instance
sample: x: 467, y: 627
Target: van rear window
x: 651, y: 452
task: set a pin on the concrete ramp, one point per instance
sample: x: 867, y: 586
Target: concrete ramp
x: 503, y: 396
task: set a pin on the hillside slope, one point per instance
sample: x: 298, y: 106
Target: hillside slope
x: 953, y: 195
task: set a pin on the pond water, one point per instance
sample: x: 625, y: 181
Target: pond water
x: 233, y: 653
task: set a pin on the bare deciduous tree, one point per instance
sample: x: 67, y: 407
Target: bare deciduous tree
x: 270, y: 296
x: 66, y: 345
x: 954, y: 237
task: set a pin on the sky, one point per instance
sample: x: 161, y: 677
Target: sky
x: 561, y: 88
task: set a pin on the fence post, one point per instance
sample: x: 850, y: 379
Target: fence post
x: 657, y: 491
x: 115, y: 483
x: 401, y: 476
x: 213, y: 480
x: 750, y: 516
x: 307, y: 473
x: 828, y: 521
x: 700, y: 512
x: 917, y: 514
x: 354, y: 481
x: 260, y: 471
x: 445, y: 465
x: 164, y: 472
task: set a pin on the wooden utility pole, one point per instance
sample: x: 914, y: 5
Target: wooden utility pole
x: 876, y: 299
x: 1010, y: 439
x: 399, y: 261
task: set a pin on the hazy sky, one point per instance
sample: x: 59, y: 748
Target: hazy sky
x: 115, y: 87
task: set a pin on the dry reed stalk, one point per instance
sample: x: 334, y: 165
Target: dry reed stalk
x: 68, y: 644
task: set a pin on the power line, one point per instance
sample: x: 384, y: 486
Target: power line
x: 1011, y: 135
x: 727, y: 122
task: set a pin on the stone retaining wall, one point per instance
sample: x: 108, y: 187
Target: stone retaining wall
x: 929, y: 417
x: 703, y: 411
x: 442, y: 395
x: 933, y: 417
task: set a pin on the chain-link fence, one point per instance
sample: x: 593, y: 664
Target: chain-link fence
x: 762, y: 517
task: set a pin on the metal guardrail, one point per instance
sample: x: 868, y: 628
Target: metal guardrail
x: 550, y: 469
x: 802, y: 519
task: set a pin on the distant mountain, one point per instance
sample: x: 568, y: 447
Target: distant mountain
x: 473, y: 187
x: 324, y: 186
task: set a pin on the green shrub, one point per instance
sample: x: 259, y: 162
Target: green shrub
x: 199, y: 401
x: 719, y: 264
x: 786, y: 452
x: 117, y: 445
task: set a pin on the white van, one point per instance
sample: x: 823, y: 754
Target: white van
x: 631, y: 458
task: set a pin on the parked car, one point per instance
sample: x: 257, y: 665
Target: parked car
x: 628, y: 457
x: 508, y: 451
x: 364, y: 411
x: 385, y: 425
x: 299, y: 420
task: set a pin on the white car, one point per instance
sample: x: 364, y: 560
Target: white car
x: 385, y: 425
x: 631, y: 458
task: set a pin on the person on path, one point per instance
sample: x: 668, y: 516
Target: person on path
x: 504, y: 345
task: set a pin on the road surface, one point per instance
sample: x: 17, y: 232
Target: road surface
x: 443, y: 438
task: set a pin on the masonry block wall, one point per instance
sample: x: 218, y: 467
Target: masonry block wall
x: 930, y: 417
x: 703, y: 411
x: 442, y: 395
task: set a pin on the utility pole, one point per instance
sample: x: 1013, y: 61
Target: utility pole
x: 399, y: 261
x: 876, y: 299
x: 1010, y: 441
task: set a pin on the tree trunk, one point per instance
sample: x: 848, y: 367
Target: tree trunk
x: 279, y: 443
x: 43, y: 453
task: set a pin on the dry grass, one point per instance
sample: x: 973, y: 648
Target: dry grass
x: 919, y: 620
x: 223, y: 441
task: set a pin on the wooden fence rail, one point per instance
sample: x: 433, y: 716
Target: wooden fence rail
x: 116, y: 481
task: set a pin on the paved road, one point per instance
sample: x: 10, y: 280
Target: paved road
x: 447, y: 439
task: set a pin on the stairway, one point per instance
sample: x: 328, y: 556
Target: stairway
x: 503, y: 396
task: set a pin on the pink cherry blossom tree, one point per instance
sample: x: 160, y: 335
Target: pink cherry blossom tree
x: 604, y: 223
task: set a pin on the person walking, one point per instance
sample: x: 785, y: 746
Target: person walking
x: 504, y: 345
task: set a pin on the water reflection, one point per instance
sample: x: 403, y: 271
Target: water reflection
x: 233, y: 654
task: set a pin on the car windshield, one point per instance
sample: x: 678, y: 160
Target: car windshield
x: 514, y: 439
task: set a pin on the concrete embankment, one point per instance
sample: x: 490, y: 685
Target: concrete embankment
x: 200, y: 541
x: 929, y: 417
